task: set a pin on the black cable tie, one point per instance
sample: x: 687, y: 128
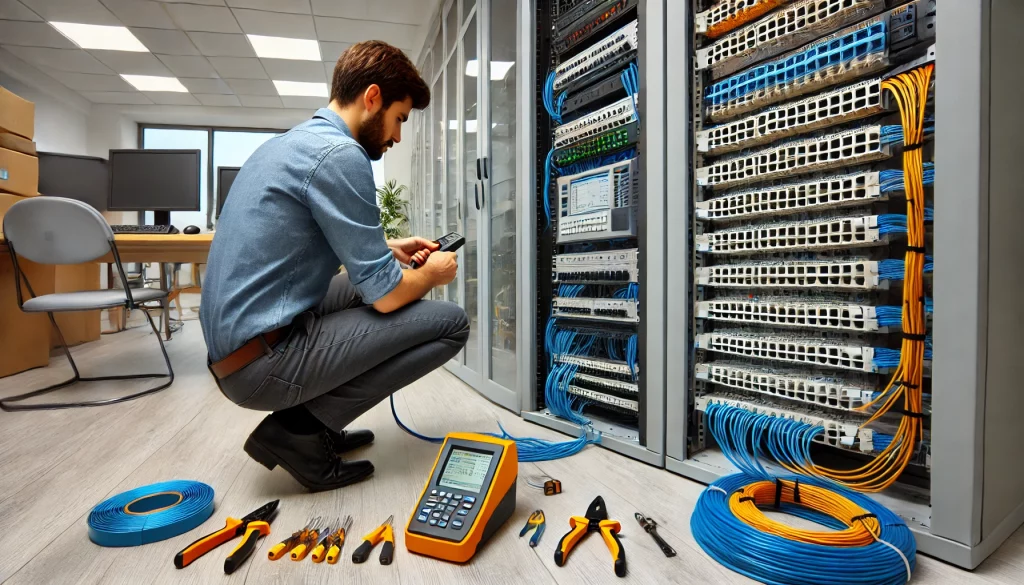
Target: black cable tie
x: 910, y: 147
x: 915, y: 336
x: 862, y: 517
x: 918, y: 249
x: 747, y: 499
x: 796, y: 491
x: 910, y: 413
x: 778, y: 493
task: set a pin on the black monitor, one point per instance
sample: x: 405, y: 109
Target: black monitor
x: 225, y: 178
x: 83, y: 178
x: 161, y: 181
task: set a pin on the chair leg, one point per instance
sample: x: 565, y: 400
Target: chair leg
x: 7, y: 406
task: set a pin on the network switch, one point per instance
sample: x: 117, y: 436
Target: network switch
x: 851, y: 274
x: 622, y: 310
x: 599, y: 367
x: 632, y: 406
x: 613, y: 140
x: 598, y: 204
x: 836, y: 432
x: 788, y: 311
x: 782, y: 30
x: 604, y: 120
x: 615, y: 266
x: 611, y: 83
x: 860, y: 188
x: 834, y: 354
x: 587, y: 19
x: 728, y: 15
x: 622, y: 42
x: 798, y: 156
x: 829, y: 108
x: 807, y: 235
x: 799, y: 386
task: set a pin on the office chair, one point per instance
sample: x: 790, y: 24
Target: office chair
x: 55, y: 230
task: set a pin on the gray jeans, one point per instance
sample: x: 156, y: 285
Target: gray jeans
x: 343, y: 357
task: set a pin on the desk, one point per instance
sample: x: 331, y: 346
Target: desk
x: 24, y: 338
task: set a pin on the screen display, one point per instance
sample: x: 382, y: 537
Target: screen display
x: 154, y: 180
x: 589, y: 194
x: 465, y: 470
x: 82, y: 178
x: 226, y: 178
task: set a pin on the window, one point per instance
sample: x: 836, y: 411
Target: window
x: 232, y: 149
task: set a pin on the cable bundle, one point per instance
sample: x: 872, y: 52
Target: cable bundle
x: 895, y: 269
x: 866, y: 543
x: 892, y: 179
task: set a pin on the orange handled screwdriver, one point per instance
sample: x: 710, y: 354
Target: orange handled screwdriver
x: 334, y: 551
x: 306, y: 544
x: 285, y: 546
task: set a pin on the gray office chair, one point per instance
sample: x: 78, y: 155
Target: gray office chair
x: 54, y: 230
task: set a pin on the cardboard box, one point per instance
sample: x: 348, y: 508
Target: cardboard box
x: 17, y: 143
x: 6, y: 201
x: 19, y: 173
x: 17, y: 116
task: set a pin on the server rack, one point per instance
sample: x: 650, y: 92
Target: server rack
x: 966, y: 497
x: 632, y: 422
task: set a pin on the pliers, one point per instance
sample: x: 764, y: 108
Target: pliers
x: 536, y: 520
x: 285, y: 546
x: 383, y: 532
x: 330, y: 546
x: 596, y: 520
x: 253, y: 526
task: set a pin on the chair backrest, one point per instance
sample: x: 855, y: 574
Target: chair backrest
x: 55, y: 230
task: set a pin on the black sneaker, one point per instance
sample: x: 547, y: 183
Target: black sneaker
x: 348, y: 440
x: 311, y: 459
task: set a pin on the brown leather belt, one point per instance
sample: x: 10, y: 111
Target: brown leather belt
x: 248, y: 353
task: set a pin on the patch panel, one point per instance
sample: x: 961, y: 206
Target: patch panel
x: 782, y: 30
x: 854, y: 52
x: 833, y: 354
x: 861, y: 188
x: 606, y: 385
x: 829, y: 108
x: 798, y: 156
x: 598, y: 204
x: 599, y: 367
x: 810, y: 313
x: 621, y: 42
x: 605, y: 399
x: 602, y: 121
x: 586, y: 20
x: 618, y: 266
x: 807, y: 235
x: 624, y: 310
x: 727, y: 15
x: 607, y: 143
x: 837, y: 432
x: 852, y: 274
x: 798, y: 386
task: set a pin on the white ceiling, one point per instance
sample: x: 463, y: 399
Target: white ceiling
x: 203, y: 44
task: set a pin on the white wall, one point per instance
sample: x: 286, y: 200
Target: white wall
x: 59, y: 126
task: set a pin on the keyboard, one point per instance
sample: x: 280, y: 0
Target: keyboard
x: 144, y: 229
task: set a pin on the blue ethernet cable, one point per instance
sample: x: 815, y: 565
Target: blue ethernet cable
x: 891, y: 180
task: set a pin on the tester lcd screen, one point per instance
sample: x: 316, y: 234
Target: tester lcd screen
x: 465, y: 470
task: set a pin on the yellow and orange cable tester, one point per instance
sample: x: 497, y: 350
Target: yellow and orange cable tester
x: 470, y: 493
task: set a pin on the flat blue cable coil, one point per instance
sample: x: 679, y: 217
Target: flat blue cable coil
x: 150, y: 513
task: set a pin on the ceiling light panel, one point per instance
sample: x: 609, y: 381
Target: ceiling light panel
x: 284, y: 48
x: 154, y: 83
x: 301, y: 88
x: 95, y: 36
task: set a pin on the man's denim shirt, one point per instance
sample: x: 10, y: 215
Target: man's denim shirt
x: 302, y: 205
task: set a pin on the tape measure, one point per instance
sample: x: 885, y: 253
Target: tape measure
x: 150, y: 513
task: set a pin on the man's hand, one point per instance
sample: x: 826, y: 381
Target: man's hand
x: 441, y: 267
x: 415, y: 249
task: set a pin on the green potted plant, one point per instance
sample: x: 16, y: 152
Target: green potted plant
x: 392, y: 208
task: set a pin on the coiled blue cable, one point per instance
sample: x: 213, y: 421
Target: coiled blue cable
x: 150, y: 513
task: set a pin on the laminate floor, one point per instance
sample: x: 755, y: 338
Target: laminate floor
x: 56, y: 465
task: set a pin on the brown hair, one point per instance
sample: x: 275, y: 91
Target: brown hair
x: 376, y: 62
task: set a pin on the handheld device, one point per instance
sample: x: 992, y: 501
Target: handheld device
x: 471, y: 492
x: 448, y: 243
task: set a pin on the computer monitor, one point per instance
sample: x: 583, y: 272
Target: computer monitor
x: 225, y: 178
x: 83, y: 178
x: 161, y: 181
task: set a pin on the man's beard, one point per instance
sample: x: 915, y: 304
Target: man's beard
x: 371, y: 136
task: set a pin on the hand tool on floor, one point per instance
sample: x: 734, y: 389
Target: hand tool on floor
x: 285, y: 546
x: 306, y: 543
x: 596, y: 520
x: 251, y: 528
x: 330, y: 547
x: 536, y: 520
x: 383, y: 532
x: 651, y: 527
